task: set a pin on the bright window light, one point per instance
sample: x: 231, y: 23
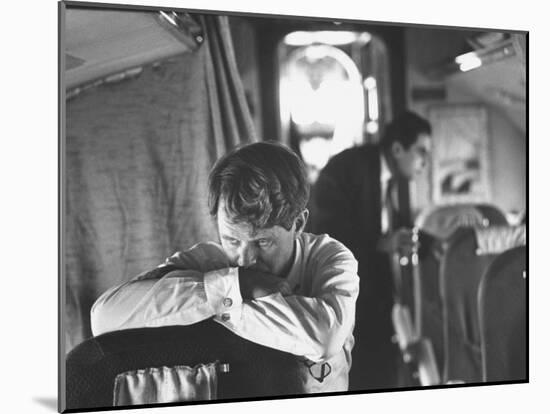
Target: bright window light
x: 316, y: 151
x: 308, y: 105
x: 322, y: 101
x: 321, y: 92
x: 468, y: 61
x: 315, y: 53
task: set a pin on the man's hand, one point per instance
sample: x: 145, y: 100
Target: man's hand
x: 255, y: 284
x: 402, y: 241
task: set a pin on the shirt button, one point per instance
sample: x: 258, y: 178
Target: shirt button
x: 225, y: 317
x: 227, y: 302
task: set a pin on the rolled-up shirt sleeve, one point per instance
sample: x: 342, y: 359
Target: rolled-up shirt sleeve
x: 185, y: 295
x: 315, y: 325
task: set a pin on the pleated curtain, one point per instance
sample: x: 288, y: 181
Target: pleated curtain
x: 137, y: 154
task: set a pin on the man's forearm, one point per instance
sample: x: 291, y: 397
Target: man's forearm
x: 181, y: 297
x: 311, y: 327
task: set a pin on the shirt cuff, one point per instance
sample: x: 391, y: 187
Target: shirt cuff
x: 223, y: 294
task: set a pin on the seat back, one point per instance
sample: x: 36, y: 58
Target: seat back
x: 492, y: 214
x: 443, y: 221
x: 254, y: 370
x: 431, y: 253
x: 503, y: 317
x: 467, y: 254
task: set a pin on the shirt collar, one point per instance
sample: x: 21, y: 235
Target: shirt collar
x: 293, y: 276
x: 385, y: 172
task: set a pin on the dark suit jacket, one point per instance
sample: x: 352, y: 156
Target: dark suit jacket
x: 347, y: 206
x: 347, y: 199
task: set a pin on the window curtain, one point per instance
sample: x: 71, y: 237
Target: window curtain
x: 136, y: 163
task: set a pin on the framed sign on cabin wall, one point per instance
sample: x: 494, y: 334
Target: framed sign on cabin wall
x: 460, y: 160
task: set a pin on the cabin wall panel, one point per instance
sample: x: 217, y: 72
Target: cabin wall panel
x: 507, y: 144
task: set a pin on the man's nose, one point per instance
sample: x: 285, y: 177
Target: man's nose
x: 424, y: 161
x: 246, y: 255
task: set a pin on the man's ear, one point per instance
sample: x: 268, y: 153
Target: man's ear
x: 301, y: 221
x: 396, y: 149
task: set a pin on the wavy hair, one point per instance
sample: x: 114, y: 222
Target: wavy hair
x: 263, y: 184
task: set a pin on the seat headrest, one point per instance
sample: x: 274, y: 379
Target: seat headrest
x: 443, y: 221
x: 495, y: 240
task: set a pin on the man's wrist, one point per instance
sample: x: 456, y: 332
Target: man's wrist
x: 222, y: 288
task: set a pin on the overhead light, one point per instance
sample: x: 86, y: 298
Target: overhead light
x: 468, y: 61
x: 298, y: 39
x: 170, y: 17
x: 335, y: 38
x: 472, y: 60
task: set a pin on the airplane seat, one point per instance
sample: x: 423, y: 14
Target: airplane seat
x: 431, y: 307
x: 502, y: 299
x: 467, y: 254
x: 175, y: 363
x: 415, y: 312
x: 431, y: 252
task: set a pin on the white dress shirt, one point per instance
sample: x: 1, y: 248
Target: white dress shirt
x: 315, y: 322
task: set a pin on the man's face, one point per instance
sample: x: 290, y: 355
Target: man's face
x: 412, y: 161
x: 269, y: 250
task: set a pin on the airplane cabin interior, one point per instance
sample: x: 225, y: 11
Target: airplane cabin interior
x: 152, y: 98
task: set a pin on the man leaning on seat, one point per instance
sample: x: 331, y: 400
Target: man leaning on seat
x: 268, y: 281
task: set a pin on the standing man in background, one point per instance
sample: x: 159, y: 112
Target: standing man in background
x: 362, y: 200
